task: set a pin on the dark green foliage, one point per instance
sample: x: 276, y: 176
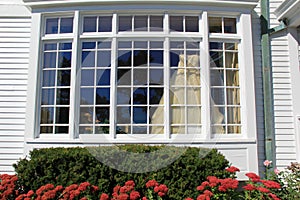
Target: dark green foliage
x: 182, y: 169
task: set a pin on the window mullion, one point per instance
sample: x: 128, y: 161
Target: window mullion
x: 113, y: 89
x: 74, y: 87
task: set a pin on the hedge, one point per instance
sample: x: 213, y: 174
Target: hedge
x: 188, y: 166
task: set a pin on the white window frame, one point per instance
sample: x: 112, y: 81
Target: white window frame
x: 246, y: 73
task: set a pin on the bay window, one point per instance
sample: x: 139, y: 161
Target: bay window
x: 148, y: 74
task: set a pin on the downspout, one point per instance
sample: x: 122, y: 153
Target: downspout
x: 267, y: 83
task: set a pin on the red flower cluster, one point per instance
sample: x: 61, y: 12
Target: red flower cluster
x: 7, y: 186
x: 160, y: 189
x: 123, y: 192
x: 205, y: 196
x: 253, y: 177
x: 232, y: 169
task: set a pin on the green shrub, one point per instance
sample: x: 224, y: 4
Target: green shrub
x: 188, y: 166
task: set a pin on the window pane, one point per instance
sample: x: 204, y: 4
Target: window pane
x: 156, y: 45
x: 234, y: 115
x: 103, y: 77
x: 105, y: 24
x: 125, y: 23
x: 47, y: 115
x: 63, y: 97
x: 89, y: 24
x: 191, y: 24
x: 156, y: 130
x: 61, y: 129
x: 140, y: 96
x: 51, y: 46
x: 46, y: 129
x: 104, y: 45
x: 66, y: 25
x: 102, y: 115
x: 140, y: 58
x: 104, y: 58
x: 234, y: 129
x: 124, y: 77
x: 49, y: 60
x: 47, y: 97
x: 233, y: 96
x: 174, y: 58
x: 139, y: 115
x: 86, y: 115
x: 178, y: 115
x: 156, y: 77
x: 216, y: 59
x: 124, y: 58
x: 88, y: 59
x: 85, y: 130
x: 65, y: 46
x: 194, y: 115
x: 123, y: 96
x: 157, y: 114
x: 62, y: 115
x: 140, y: 23
x: 140, y: 44
x: 88, y: 45
x: 215, y: 24
x: 123, y: 115
x: 156, y: 57
x: 217, y: 95
x: 123, y: 130
x: 232, y: 78
x: 87, y: 77
x: 101, y: 129
x: 176, y: 23
x: 102, y: 96
x: 193, y: 96
x: 229, y: 25
x: 64, y: 59
x: 52, y: 26
x: 87, y: 96
x: 217, y: 114
x: 49, y: 78
x: 156, y: 95
x: 63, y: 77
x: 139, y: 130
x: 156, y: 23
x: 216, y: 78
x: 140, y: 77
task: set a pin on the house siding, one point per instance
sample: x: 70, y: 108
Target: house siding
x: 14, y: 56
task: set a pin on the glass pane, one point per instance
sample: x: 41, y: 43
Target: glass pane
x: 124, y: 77
x: 174, y: 58
x: 51, y: 46
x: 47, y: 97
x: 64, y: 59
x: 65, y: 46
x: 231, y: 46
x: 194, y: 129
x: 123, y: 95
x: 102, y: 115
x: 123, y: 130
x: 176, y: 23
x: 49, y: 60
x: 232, y: 78
x: 46, y: 129
x: 62, y: 115
x: 124, y: 58
x: 140, y: 44
x: 140, y: 96
x: 88, y: 59
x: 156, y: 57
x: 177, y: 95
x: 102, y: 96
x: 89, y: 24
x: 140, y: 58
x: 49, y: 78
x: 63, y: 77
x: 66, y: 25
x: 234, y: 129
x: 216, y: 59
x: 178, y: 77
x: 217, y: 115
x: 193, y: 77
x: 231, y: 60
x: 216, y: 45
x: 140, y: 76
x: 123, y: 115
x: 61, y: 129
x: 156, y: 23
x: 63, y: 96
x: 216, y: 77
x: 104, y: 45
x: 192, y: 59
x: 233, y: 96
x: 125, y: 23
x: 101, y: 129
x: 86, y: 115
x: 156, y: 77
x: 87, y: 96
x: 177, y: 130
x: 193, y: 45
x: 105, y: 24
x: 194, y: 115
x: 140, y: 23
x: 139, y: 130
x: 178, y: 115
x: 156, y: 95
x: 233, y: 115
x: 157, y: 114
x: 87, y: 77
x: 229, y: 25
x: 85, y: 130
x: 47, y: 115
x: 103, y: 77
x: 157, y: 130
x: 140, y: 115
x: 218, y: 129
x: 124, y: 45
x: 88, y: 45
x: 156, y: 45
x: 52, y: 26
x: 215, y: 24
x: 177, y: 45
x: 193, y: 96
x: 217, y: 95
x: 192, y: 24
x: 103, y: 59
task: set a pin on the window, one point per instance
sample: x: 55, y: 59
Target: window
x: 138, y: 74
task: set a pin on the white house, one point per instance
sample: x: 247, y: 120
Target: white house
x: 209, y: 73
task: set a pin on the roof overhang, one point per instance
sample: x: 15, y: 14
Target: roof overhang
x: 36, y: 4
x: 289, y: 11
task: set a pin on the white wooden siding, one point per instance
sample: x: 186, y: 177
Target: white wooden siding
x: 14, y: 56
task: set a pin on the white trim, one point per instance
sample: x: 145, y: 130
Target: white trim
x: 289, y: 9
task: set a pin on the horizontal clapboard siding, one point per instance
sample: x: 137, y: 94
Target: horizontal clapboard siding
x: 14, y: 56
x: 283, y: 102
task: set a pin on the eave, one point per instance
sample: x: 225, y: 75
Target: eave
x: 289, y: 11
